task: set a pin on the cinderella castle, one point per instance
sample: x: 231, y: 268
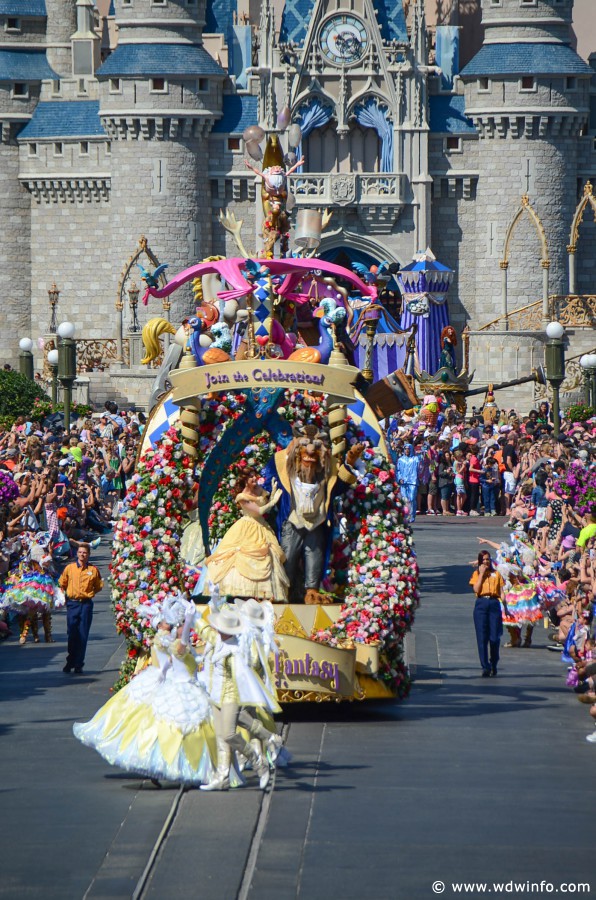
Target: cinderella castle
x: 122, y: 142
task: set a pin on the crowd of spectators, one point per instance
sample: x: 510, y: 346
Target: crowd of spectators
x: 545, y: 487
x: 471, y: 467
x: 68, y: 487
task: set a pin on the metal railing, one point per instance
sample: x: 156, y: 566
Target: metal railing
x: 571, y: 310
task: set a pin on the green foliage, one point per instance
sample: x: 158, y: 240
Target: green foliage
x: 580, y: 413
x: 18, y: 394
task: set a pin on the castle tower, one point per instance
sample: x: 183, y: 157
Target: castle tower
x: 23, y: 65
x: 160, y: 94
x: 61, y: 25
x: 526, y: 92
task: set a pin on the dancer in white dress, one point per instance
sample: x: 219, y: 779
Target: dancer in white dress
x: 159, y: 725
x: 231, y: 678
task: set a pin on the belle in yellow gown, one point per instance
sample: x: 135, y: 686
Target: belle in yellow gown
x: 249, y: 561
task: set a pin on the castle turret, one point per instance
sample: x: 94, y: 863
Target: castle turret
x: 61, y: 25
x: 160, y: 94
x: 23, y: 65
x: 526, y: 92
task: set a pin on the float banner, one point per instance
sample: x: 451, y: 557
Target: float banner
x: 304, y: 665
x: 256, y: 374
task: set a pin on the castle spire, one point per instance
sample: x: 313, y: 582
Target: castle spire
x: 419, y: 39
x: 266, y: 34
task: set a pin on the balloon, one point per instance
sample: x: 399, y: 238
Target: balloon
x: 290, y: 159
x: 294, y: 135
x: 253, y: 133
x: 283, y: 118
x: 290, y: 202
x: 253, y: 150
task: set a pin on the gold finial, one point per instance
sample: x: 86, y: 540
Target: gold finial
x: 525, y: 200
x: 588, y: 189
x: 143, y: 242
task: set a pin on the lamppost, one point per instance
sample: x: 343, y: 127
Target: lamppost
x: 588, y: 364
x: 133, y: 302
x: 555, y: 367
x: 26, y: 358
x: 67, y: 366
x: 53, y: 357
x: 53, y: 297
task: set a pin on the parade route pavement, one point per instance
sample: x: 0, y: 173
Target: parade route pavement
x: 469, y: 781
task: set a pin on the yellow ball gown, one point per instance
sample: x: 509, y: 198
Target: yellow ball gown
x: 159, y: 725
x: 249, y: 561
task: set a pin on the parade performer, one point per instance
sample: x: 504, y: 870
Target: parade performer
x: 249, y: 561
x: 32, y: 590
x: 406, y: 474
x: 522, y: 608
x: 259, y: 622
x: 159, y: 724
x: 230, y: 676
x: 310, y: 479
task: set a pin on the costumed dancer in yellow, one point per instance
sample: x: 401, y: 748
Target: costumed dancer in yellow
x: 233, y: 683
x: 249, y: 561
x: 159, y: 725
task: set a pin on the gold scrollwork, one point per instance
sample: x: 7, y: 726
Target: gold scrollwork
x: 95, y: 354
x: 309, y: 697
x: 578, y: 218
x: 575, y: 311
x: 527, y: 318
x: 526, y: 208
x: 571, y: 310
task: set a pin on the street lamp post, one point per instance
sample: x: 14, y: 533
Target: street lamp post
x: 67, y: 366
x: 588, y: 364
x: 53, y: 357
x: 133, y: 302
x: 555, y: 367
x: 53, y: 297
x: 26, y: 358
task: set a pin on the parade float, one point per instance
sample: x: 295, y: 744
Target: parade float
x: 264, y: 467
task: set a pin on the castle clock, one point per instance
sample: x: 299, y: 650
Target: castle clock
x: 343, y: 39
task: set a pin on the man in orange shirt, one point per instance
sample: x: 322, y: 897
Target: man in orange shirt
x: 80, y: 582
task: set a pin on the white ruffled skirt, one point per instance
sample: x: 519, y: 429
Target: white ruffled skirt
x: 158, y: 729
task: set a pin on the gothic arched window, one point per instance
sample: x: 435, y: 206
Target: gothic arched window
x: 357, y: 151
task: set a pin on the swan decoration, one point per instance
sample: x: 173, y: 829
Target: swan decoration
x: 329, y: 315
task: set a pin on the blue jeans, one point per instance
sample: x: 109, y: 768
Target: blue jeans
x: 488, y: 622
x: 489, y: 498
x: 79, y: 615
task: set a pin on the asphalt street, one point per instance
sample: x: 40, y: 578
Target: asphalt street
x: 469, y: 780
